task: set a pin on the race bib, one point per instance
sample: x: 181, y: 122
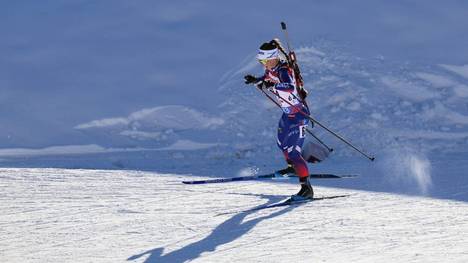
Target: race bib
x: 302, y: 131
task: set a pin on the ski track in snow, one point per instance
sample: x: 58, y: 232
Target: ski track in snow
x: 58, y: 215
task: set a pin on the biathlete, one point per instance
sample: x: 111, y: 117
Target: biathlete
x: 279, y: 78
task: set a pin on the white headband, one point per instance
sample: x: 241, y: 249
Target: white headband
x: 267, y: 54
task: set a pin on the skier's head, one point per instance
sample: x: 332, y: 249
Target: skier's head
x: 268, y: 55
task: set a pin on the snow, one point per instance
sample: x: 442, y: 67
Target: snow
x: 460, y: 70
x: 409, y: 168
x: 158, y: 87
x: 55, y: 150
x: 408, y: 91
x: 425, y: 134
x: 437, y: 81
x: 442, y: 112
x: 461, y: 91
x: 187, y: 145
x: 86, y: 62
x: 64, y: 215
x: 165, y: 117
x: 180, y: 145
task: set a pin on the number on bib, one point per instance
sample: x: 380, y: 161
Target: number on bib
x: 302, y: 131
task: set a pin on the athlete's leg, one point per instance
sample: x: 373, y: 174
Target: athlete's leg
x: 293, y: 147
x: 282, y: 136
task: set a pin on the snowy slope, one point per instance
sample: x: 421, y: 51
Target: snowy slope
x: 379, y: 82
x: 67, y: 63
x: 56, y: 215
x: 377, y: 103
x: 411, y: 116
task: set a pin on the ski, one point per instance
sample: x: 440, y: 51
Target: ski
x: 231, y: 179
x: 265, y: 176
x: 287, y: 202
x: 290, y: 201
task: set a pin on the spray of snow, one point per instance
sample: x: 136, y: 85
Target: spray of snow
x: 407, y: 169
x: 248, y: 171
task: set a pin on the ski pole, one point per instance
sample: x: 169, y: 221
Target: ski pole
x: 324, y: 127
x: 313, y: 135
x: 320, y: 141
x: 283, y: 27
x: 341, y: 138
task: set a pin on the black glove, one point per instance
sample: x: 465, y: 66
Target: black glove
x: 250, y: 79
x: 259, y: 83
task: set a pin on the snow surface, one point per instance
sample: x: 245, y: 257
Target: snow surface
x: 57, y: 215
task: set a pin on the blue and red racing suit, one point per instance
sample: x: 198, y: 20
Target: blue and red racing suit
x: 293, y: 122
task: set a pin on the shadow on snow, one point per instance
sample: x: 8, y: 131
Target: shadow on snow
x: 226, y: 232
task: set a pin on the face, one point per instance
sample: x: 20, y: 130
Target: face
x: 269, y: 64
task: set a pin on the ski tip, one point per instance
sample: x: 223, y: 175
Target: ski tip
x: 193, y: 182
x: 349, y: 175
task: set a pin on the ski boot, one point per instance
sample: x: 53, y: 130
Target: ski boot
x: 306, y: 192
